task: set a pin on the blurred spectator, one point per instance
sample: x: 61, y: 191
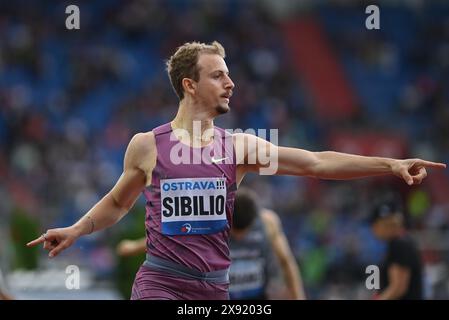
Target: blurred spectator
x: 401, y: 276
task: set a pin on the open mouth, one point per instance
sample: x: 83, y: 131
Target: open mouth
x: 226, y: 96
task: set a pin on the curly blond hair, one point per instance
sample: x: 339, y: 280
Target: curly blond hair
x: 183, y: 63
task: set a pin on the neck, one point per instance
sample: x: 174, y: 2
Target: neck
x: 190, y: 115
x: 194, y: 120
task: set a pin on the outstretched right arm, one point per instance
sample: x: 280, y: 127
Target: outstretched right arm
x: 140, y: 159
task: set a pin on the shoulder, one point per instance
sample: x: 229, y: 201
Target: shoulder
x: 242, y: 137
x: 404, y: 244
x: 143, y: 139
x: 271, y: 220
x: 269, y: 215
x: 142, y: 142
x: 248, y: 143
x: 404, y: 240
x: 141, y: 147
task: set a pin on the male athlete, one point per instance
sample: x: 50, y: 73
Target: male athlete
x: 190, y: 203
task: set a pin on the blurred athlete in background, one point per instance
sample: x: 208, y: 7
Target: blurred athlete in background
x: 260, y: 253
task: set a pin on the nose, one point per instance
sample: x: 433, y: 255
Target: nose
x: 229, y: 83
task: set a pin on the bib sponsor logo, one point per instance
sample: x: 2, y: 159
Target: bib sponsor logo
x: 186, y: 228
x: 193, y: 206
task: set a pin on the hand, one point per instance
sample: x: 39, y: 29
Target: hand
x: 56, y: 240
x: 127, y: 248
x: 413, y: 171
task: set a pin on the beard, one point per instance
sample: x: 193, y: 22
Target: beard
x: 222, y: 109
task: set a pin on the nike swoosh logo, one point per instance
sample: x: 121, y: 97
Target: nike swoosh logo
x: 217, y: 160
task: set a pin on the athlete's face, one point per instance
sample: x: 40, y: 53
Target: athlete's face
x: 214, y: 88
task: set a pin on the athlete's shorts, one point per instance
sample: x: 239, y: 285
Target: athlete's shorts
x: 150, y: 284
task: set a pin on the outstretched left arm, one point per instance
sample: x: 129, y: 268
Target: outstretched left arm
x: 342, y: 166
x: 257, y: 155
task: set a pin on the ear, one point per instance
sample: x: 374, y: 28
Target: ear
x: 189, y: 85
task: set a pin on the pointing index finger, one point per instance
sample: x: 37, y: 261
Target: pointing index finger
x: 431, y: 164
x: 36, y: 242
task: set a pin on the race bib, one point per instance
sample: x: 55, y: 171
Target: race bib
x: 193, y: 206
